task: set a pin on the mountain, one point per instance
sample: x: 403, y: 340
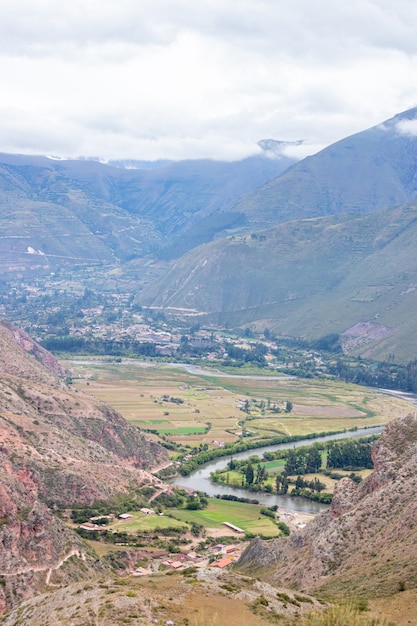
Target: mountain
x: 320, y: 246
x: 57, y: 214
x: 369, y: 171
x: 307, y: 278
x: 58, y: 448
x: 22, y: 357
x: 366, y: 544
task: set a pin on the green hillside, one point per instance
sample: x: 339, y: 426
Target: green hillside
x: 57, y: 215
x: 308, y: 278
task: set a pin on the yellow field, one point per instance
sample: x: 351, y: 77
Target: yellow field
x: 143, y: 393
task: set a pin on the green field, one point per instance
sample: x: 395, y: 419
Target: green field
x: 272, y: 465
x: 245, y: 516
x: 141, y: 522
x: 183, y: 406
x: 182, y: 430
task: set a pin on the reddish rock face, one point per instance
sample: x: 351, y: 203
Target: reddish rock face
x: 345, y: 497
x: 21, y: 356
x: 57, y: 448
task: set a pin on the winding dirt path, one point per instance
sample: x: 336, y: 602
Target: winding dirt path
x: 49, y: 570
x: 73, y: 552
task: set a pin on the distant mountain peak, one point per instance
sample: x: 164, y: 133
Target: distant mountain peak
x: 409, y: 114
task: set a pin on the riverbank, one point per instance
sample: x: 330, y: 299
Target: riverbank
x: 295, y: 520
x: 199, y: 479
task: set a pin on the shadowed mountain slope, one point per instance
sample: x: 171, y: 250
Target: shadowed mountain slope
x: 59, y: 214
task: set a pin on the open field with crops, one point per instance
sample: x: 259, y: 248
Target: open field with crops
x: 194, y: 408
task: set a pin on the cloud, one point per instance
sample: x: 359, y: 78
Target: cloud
x: 176, y: 78
x: 407, y: 127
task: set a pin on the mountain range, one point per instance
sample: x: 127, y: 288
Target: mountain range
x: 57, y: 214
x: 323, y: 245
x: 328, y: 246
x: 366, y: 172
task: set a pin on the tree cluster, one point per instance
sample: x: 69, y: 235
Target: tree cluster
x: 303, y: 461
x: 349, y: 455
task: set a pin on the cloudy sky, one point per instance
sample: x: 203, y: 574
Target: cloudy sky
x: 149, y: 79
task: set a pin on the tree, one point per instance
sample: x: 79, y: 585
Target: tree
x: 317, y: 485
x: 288, y: 406
x: 249, y: 474
x: 261, y: 474
x: 281, y: 483
x: 299, y: 483
x: 291, y: 463
x: 313, y: 460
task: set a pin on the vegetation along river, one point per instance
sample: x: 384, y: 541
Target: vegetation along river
x: 199, y: 480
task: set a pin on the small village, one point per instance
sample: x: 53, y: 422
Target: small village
x: 219, y: 555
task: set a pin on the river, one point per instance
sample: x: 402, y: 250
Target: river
x: 194, y: 370
x: 199, y: 480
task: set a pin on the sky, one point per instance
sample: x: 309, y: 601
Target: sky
x: 176, y: 79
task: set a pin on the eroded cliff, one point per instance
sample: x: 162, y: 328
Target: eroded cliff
x: 58, y: 448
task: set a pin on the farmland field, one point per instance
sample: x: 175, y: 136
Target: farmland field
x: 245, y: 516
x: 141, y: 522
x: 205, y: 407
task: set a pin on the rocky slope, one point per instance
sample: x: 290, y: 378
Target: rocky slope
x: 58, y: 448
x: 367, y: 542
x: 23, y: 357
x: 203, y: 596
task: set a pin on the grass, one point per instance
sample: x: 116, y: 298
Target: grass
x: 271, y: 465
x: 345, y: 615
x: 137, y: 390
x: 101, y: 549
x: 140, y: 521
x: 245, y: 516
x: 183, y: 430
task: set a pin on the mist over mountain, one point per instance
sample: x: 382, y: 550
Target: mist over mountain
x: 369, y: 171
x: 327, y: 245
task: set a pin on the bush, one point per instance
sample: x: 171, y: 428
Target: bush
x: 267, y: 512
x: 346, y: 615
x: 283, y: 528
